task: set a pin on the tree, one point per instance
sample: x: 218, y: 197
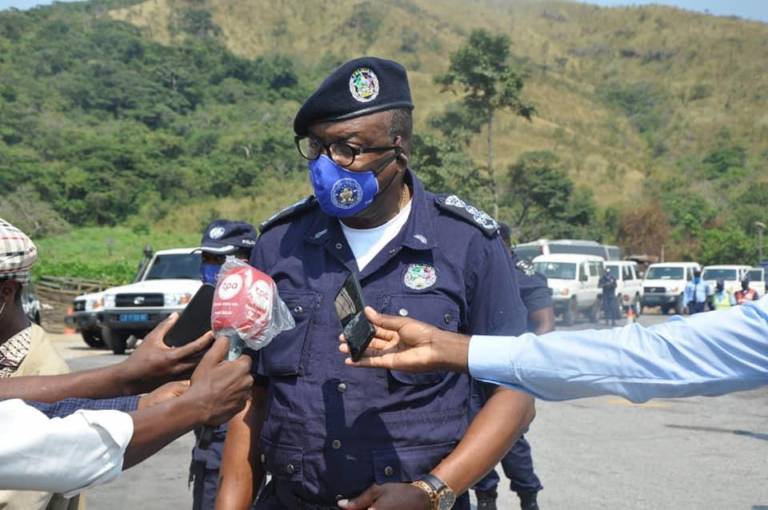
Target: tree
x: 542, y: 201
x: 445, y: 168
x: 644, y: 230
x: 489, y: 83
x: 728, y: 244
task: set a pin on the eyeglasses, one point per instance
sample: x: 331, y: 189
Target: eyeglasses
x: 341, y: 152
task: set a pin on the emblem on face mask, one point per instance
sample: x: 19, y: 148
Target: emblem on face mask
x: 420, y: 276
x: 346, y: 193
x: 216, y: 232
x: 364, y: 84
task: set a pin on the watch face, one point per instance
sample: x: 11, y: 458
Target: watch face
x: 447, y: 499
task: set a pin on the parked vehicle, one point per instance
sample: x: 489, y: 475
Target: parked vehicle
x: 85, y: 318
x: 574, y: 283
x: 664, y: 285
x: 629, y: 286
x: 756, y: 277
x: 731, y: 275
x: 167, y: 284
x: 31, y: 304
x: 529, y: 251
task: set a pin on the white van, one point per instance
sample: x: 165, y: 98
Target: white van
x: 756, y: 277
x: 574, y: 283
x: 731, y: 275
x: 529, y: 251
x: 629, y: 286
x: 664, y: 285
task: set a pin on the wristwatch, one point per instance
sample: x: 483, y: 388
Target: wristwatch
x: 441, y: 497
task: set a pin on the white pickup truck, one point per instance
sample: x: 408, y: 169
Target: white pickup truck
x: 166, y: 285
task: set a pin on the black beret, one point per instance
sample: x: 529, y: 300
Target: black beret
x: 360, y: 87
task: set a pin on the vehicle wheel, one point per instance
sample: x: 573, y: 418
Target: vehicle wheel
x: 593, y: 313
x: 665, y: 309
x: 679, y: 305
x: 92, y: 339
x: 569, y: 315
x: 115, y: 340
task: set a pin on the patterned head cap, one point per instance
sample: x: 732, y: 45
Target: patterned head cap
x: 17, y: 253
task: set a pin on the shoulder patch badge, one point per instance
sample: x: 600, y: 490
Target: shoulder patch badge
x: 458, y: 207
x: 526, y: 267
x: 420, y: 276
x: 290, y: 211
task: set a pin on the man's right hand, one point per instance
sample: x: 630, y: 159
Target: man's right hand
x: 153, y: 363
x: 405, y: 344
x: 221, y: 388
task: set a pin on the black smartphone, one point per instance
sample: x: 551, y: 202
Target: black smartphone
x: 350, y: 309
x: 195, y: 320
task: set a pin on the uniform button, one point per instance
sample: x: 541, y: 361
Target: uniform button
x: 335, y: 444
x: 388, y: 471
x: 298, y: 309
x: 403, y: 312
x: 290, y: 469
x: 341, y: 388
x: 447, y: 318
x: 338, y: 246
x: 339, y: 497
x: 263, y: 458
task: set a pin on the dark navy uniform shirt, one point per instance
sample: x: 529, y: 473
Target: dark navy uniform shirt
x: 332, y: 430
x: 534, y: 290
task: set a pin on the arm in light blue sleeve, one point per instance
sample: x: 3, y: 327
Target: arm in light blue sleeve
x: 707, y: 354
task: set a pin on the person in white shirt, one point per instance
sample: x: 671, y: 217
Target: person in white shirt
x: 87, y: 448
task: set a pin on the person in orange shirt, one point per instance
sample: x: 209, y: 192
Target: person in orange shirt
x: 745, y: 294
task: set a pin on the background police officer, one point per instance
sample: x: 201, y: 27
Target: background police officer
x: 221, y: 239
x: 327, y: 432
x: 518, y: 462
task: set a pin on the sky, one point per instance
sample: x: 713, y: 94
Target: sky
x: 752, y: 9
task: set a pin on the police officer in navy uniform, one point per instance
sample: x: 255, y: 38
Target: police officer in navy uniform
x: 518, y: 462
x: 332, y: 436
x: 221, y: 239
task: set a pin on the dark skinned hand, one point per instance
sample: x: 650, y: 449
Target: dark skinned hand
x: 390, y: 496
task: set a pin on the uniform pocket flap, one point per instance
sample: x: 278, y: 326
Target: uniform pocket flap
x: 283, y: 461
x: 284, y: 355
x: 408, y: 464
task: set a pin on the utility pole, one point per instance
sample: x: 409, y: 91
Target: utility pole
x: 760, y: 227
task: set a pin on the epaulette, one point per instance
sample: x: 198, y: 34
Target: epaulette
x: 299, y: 207
x: 467, y: 212
x: 524, y: 266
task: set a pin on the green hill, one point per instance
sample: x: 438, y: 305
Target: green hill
x: 160, y: 115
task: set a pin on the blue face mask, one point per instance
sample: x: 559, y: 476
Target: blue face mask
x: 696, y: 279
x: 342, y: 193
x: 209, y: 273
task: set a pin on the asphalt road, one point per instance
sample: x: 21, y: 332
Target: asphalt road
x: 602, y: 453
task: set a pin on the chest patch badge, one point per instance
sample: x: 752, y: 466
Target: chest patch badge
x: 420, y: 276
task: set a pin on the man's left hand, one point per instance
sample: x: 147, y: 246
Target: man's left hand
x: 390, y: 496
x: 165, y: 392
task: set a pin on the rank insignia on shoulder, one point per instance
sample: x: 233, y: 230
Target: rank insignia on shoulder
x: 526, y: 267
x: 470, y: 213
x: 289, y: 212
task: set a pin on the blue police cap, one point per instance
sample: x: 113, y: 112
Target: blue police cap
x: 360, y: 87
x: 225, y: 237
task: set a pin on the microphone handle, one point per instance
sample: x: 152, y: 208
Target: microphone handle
x: 205, y: 438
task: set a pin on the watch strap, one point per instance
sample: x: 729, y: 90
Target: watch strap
x: 434, y: 500
x: 434, y: 482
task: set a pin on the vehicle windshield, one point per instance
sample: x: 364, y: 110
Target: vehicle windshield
x: 556, y: 270
x: 578, y: 249
x: 720, y: 274
x: 755, y: 275
x: 665, y: 273
x: 527, y: 252
x: 185, y: 266
x: 614, y: 269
